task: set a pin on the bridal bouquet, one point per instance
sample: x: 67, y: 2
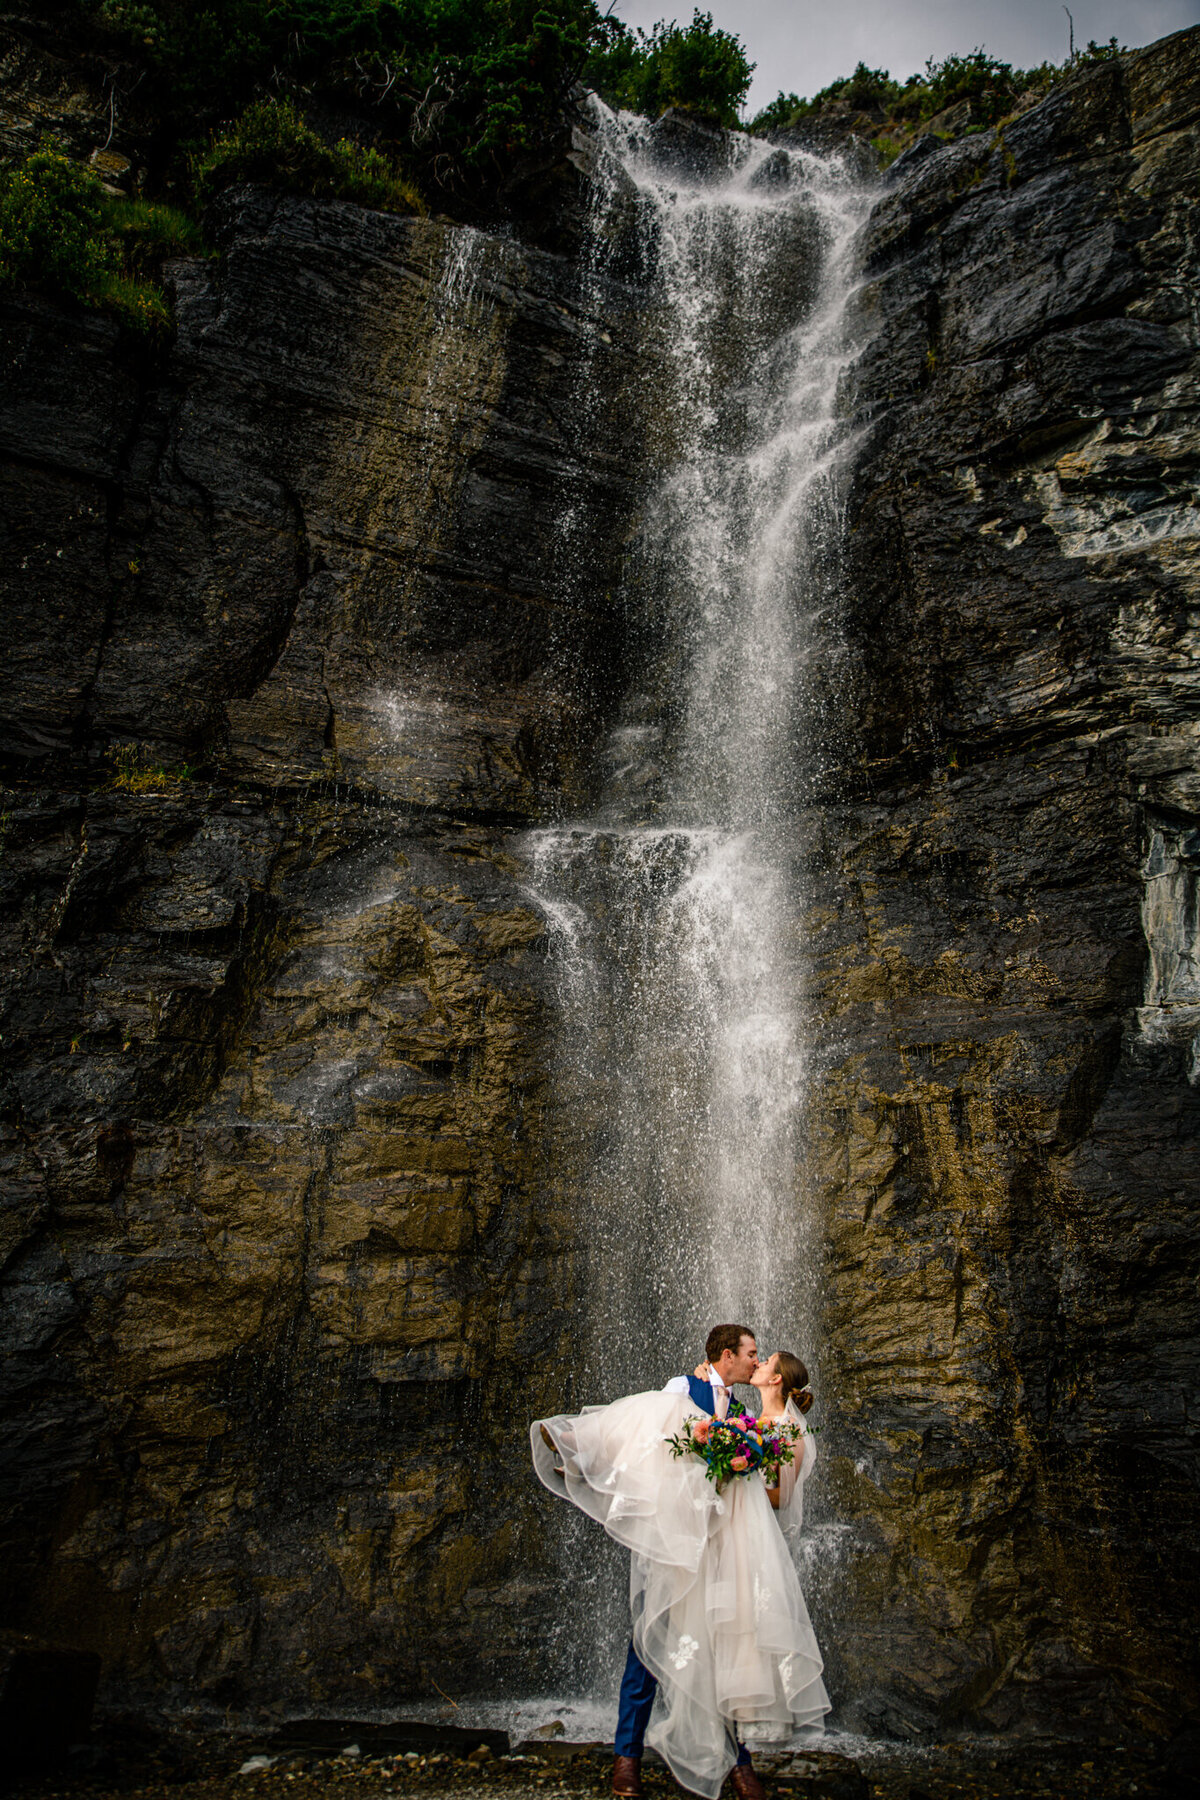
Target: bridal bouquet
x: 737, y: 1445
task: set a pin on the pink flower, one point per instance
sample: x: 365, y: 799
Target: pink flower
x: 700, y: 1432
x: 740, y: 1462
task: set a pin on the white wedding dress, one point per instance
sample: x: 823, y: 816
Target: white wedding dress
x: 718, y: 1615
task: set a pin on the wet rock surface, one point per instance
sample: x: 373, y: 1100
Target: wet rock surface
x: 288, y: 1250
x: 1004, y: 931
x: 299, y: 644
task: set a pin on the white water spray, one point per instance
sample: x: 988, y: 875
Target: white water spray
x: 676, y: 912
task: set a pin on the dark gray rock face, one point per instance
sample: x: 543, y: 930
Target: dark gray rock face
x: 284, y: 1264
x: 1005, y: 941
x: 288, y: 1247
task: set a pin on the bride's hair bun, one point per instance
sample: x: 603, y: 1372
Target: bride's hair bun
x: 794, y: 1374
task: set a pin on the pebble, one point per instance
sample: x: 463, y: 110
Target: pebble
x: 935, y: 1772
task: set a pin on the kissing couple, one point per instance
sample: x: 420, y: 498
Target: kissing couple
x: 721, y: 1637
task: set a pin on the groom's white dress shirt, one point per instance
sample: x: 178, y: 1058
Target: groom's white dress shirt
x: 722, y: 1395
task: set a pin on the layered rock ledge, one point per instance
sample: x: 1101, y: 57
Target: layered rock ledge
x: 1005, y: 939
x: 300, y: 641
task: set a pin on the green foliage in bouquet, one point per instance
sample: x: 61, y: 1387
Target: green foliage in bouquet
x: 737, y: 1446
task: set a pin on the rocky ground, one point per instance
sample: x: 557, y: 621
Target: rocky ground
x: 972, y: 1770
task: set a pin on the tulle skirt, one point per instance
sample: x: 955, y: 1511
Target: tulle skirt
x: 717, y: 1612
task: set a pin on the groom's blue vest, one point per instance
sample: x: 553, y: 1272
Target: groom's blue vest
x: 638, y: 1684
x: 702, y: 1393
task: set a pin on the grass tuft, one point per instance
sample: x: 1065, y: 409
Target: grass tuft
x: 134, y: 773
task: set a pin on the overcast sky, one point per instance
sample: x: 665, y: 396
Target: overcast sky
x: 802, y: 45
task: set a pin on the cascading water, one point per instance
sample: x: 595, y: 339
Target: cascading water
x: 675, y: 910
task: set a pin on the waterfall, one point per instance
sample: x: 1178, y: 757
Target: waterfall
x: 676, y: 908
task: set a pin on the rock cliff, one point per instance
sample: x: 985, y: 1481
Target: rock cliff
x: 278, y: 1237
x: 288, y: 1243
x: 1005, y: 942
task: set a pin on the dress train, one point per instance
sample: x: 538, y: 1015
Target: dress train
x: 718, y: 1615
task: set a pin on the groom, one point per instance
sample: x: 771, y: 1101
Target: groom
x: 732, y: 1355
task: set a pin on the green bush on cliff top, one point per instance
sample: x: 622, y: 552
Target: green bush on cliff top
x: 271, y: 144
x: 696, y: 69
x: 63, y: 235
x: 459, y: 91
x: 459, y: 88
x: 990, y: 87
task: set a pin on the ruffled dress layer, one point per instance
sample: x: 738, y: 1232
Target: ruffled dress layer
x: 717, y: 1612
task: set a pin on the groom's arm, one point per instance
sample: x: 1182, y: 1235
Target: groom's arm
x: 678, y: 1384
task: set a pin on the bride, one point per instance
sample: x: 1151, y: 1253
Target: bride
x: 718, y: 1615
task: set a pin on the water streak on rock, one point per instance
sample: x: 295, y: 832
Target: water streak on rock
x: 673, y: 908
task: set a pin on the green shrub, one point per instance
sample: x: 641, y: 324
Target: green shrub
x: 52, y: 226
x: 992, y: 87
x: 695, y: 68
x: 133, y: 19
x: 783, y: 111
x: 469, y: 84
x: 61, y: 234
x: 272, y: 145
x: 194, y: 51
x: 1097, y: 53
x: 869, y: 90
x: 866, y: 90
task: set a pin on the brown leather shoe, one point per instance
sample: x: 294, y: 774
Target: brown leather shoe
x: 627, y: 1777
x: 559, y: 1464
x: 746, y: 1784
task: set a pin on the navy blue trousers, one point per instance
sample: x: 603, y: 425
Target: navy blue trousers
x: 638, y: 1688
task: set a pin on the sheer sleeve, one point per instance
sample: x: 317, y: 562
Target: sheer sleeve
x: 793, y: 1475
x: 717, y: 1614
